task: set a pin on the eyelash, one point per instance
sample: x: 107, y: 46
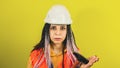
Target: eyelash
x: 63, y: 28
x: 53, y: 28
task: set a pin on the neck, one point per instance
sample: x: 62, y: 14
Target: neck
x: 57, y: 48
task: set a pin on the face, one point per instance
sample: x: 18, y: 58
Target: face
x: 58, y: 33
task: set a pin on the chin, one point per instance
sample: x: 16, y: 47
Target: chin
x: 57, y: 42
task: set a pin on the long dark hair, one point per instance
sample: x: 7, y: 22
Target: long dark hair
x: 45, y: 30
x: 69, y: 38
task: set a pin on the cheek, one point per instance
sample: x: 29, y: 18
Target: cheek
x: 64, y: 34
x: 51, y: 35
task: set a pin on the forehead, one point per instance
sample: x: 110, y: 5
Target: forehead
x: 58, y: 25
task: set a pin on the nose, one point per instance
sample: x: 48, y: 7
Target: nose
x: 57, y: 32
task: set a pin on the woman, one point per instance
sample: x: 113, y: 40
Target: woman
x: 57, y: 44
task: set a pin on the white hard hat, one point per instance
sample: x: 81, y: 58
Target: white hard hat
x: 58, y: 14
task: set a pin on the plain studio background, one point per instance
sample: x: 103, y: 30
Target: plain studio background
x: 96, y: 26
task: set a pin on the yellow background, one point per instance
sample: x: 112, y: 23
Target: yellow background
x: 96, y: 26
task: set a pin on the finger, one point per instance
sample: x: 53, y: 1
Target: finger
x: 96, y: 59
x: 93, y: 59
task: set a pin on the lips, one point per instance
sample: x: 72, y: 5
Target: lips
x: 57, y: 39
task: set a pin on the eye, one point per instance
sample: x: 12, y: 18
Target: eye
x: 53, y: 28
x: 62, y: 28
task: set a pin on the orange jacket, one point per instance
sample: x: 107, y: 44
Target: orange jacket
x: 33, y: 58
